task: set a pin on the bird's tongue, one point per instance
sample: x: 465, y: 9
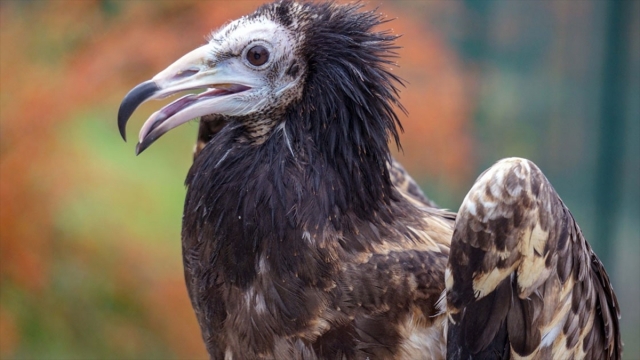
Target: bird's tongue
x: 168, y: 111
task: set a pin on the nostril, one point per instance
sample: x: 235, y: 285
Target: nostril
x: 185, y: 73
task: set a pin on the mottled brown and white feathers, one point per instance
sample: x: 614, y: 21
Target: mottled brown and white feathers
x: 522, y: 282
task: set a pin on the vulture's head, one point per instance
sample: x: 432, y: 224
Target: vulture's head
x: 320, y: 68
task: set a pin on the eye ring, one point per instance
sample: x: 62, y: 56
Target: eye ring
x: 257, y: 55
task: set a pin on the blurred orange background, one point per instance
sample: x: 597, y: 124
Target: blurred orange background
x: 90, y: 255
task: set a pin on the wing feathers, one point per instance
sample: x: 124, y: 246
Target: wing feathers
x: 523, y: 325
x: 522, y: 276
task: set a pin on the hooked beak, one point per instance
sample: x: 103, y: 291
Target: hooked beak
x: 192, y: 71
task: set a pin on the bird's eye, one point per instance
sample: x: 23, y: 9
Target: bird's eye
x: 258, y: 55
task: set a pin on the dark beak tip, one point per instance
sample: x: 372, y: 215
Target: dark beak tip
x: 122, y: 123
x: 143, y: 145
x: 122, y: 130
x: 131, y: 101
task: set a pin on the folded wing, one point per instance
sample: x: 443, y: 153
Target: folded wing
x: 521, y: 279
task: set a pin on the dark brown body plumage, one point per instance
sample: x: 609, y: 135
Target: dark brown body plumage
x: 348, y: 287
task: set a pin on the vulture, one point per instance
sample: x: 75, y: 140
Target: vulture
x: 302, y: 238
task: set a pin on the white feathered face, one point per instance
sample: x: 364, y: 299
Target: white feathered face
x: 250, y: 68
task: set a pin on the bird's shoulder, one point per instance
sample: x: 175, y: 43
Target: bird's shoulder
x: 407, y: 186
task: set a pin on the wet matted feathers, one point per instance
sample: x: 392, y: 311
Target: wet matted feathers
x: 303, y: 238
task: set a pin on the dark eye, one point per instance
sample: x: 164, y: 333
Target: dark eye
x: 258, y: 55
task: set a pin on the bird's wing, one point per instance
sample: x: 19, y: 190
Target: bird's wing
x: 398, y: 292
x: 521, y: 279
x: 394, y: 289
x: 407, y: 186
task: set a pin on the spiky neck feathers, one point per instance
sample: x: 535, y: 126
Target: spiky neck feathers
x: 325, y: 153
x: 322, y: 167
x: 347, y: 105
x: 343, y: 114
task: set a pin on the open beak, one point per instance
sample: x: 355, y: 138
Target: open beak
x: 192, y: 71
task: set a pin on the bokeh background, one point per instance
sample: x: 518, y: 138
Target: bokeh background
x: 90, y: 263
